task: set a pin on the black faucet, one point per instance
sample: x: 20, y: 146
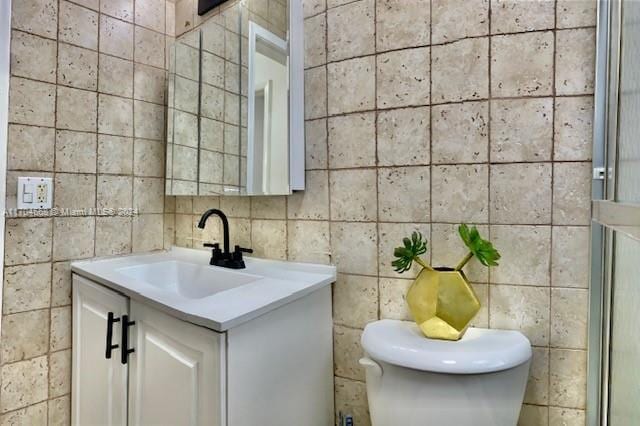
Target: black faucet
x: 225, y: 258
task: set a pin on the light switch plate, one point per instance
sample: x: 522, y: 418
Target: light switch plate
x: 35, y: 193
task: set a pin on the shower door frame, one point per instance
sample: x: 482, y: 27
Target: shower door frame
x: 608, y: 216
x: 5, y: 65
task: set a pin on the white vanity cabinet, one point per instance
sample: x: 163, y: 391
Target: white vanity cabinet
x: 175, y: 373
x: 172, y: 377
x: 140, y: 362
x: 99, y: 385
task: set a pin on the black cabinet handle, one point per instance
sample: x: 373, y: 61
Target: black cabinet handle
x: 125, y: 351
x: 110, y: 321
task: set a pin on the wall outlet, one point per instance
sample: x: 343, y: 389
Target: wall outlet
x: 41, y: 193
x: 346, y: 420
x: 34, y: 193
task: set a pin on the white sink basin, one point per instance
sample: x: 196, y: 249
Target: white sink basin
x: 181, y: 282
x: 187, y: 279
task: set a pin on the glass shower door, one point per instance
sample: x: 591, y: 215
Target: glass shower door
x: 624, y: 374
x: 627, y: 157
x: 624, y: 345
x: 617, y: 219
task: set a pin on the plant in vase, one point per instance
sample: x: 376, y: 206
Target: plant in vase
x: 441, y: 300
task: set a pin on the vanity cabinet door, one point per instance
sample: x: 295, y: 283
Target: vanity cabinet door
x: 99, y: 385
x: 176, y: 371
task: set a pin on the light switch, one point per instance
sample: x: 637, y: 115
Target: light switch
x: 34, y: 193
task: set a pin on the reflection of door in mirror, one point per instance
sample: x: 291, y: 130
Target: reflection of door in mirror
x: 268, y: 131
x: 261, y: 133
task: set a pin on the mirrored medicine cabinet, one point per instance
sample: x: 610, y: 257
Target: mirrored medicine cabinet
x: 235, y: 123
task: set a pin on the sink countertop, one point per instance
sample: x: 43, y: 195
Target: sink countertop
x: 277, y: 283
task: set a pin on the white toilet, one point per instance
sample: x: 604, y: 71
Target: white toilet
x: 414, y: 381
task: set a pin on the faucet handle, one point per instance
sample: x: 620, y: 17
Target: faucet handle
x: 237, y: 253
x: 216, y: 253
x: 236, y: 257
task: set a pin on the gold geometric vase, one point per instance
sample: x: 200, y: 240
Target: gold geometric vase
x: 442, y: 303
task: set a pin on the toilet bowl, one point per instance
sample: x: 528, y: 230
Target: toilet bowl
x: 415, y: 381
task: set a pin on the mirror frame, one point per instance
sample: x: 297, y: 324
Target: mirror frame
x: 297, y: 152
x: 296, y: 108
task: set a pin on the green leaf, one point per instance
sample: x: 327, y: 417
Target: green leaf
x: 412, y: 248
x: 482, y: 249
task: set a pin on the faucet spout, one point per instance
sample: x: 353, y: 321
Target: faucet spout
x: 225, y: 225
x: 224, y: 259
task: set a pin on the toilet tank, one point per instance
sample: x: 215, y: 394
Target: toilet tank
x: 401, y: 396
x: 479, y: 380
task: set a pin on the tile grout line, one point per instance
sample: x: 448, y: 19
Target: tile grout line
x: 52, y: 221
x: 341, y: 169
x: 553, y: 158
x: 133, y: 128
x: 98, y: 89
x: 77, y: 46
x: 467, y: 38
x: 376, y: 156
x: 332, y: 259
x: 99, y: 11
x: 450, y: 103
x: 305, y: 219
x: 165, y: 132
x: 327, y: 133
x: 430, y: 166
x: 95, y: 227
x: 443, y: 164
x: 489, y: 168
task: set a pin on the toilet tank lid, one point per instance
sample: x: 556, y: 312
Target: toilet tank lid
x: 479, y: 351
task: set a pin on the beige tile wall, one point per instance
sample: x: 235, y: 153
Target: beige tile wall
x: 421, y: 115
x: 87, y: 107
